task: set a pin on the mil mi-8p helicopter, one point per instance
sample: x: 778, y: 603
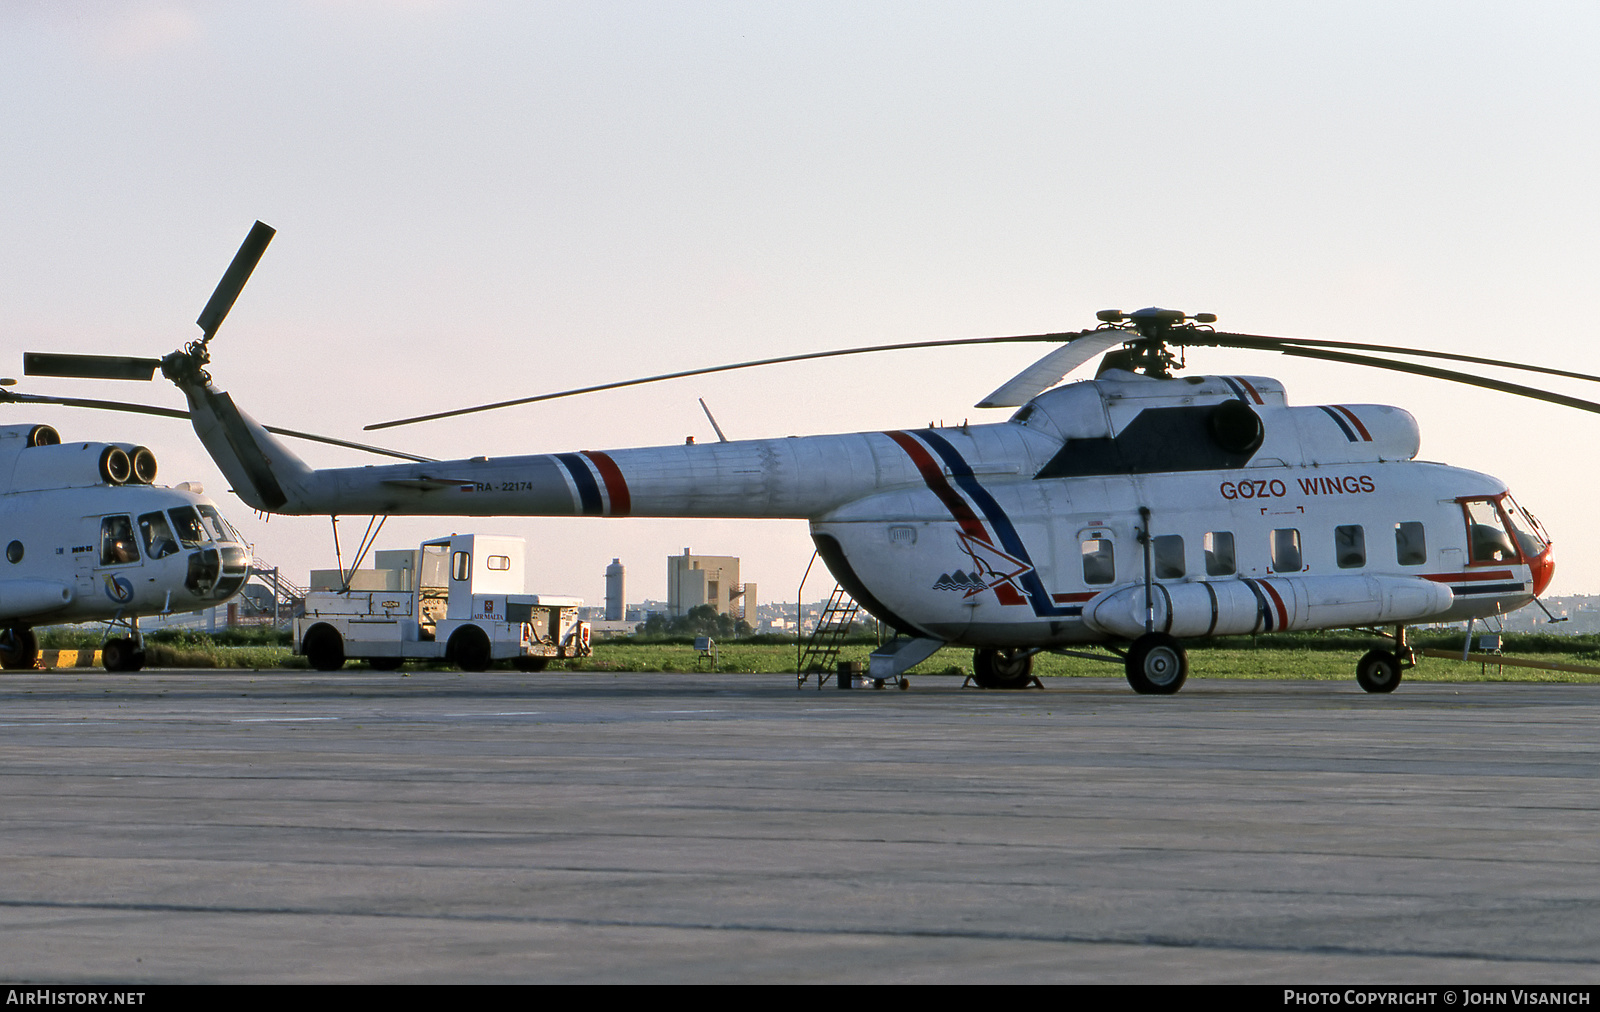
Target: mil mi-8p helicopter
x: 1132, y: 511
x: 91, y: 537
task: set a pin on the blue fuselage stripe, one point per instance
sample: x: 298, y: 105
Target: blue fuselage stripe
x: 961, y: 471
x: 588, y: 489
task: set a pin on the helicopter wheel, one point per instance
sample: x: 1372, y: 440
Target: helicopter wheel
x: 324, y: 648
x: 1156, y: 665
x: 19, y: 647
x: 1001, y: 669
x: 1378, y: 671
x: 121, y: 654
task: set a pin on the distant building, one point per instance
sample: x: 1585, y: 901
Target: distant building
x: 694, y: 580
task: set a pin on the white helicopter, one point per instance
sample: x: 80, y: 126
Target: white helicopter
x: 90, y: 537
x: 1132, y: 511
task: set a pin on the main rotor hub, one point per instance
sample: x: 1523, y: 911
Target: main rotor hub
x: 1148, y: 354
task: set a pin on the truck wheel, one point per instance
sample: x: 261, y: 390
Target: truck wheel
x: 324, y: 648
x: 532, y: 663
x: 385, y: 663
x: 469, y: 649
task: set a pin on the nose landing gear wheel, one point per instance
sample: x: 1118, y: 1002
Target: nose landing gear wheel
x: 1378, y: 671
x: 121, y: 655
x: 1156, y: 665
x: 19, y: 648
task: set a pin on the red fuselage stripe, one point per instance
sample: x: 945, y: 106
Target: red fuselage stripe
x: 1494, y: 574
x: 616, y: 485
x: 963, y: 513
x: 1283, y: 613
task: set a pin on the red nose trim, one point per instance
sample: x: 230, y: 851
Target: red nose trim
x: 1543, y: 566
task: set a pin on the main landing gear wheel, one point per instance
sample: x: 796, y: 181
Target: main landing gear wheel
x: 1378, y: 671
x: 19, y: 648
x: 1001, y: 669
x: 121, y: 654
x: 1156, y: 665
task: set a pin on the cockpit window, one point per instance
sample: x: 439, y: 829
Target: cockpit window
x: 215, y: 524
x: 1525, y: 528
x: 158, y: 539
x: 116, y: 542
x: 1487, y: 539
x: 187, y: 523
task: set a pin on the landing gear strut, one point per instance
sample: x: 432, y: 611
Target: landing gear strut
x: 1001, y: 669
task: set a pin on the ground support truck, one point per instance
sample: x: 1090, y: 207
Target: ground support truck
x: 460, y: 599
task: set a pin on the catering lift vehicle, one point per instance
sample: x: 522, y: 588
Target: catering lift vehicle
x: 459, y: 599
x: 90, y: 537
x: 1133, y: 511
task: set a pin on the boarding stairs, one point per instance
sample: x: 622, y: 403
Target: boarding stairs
x: 820, y: 651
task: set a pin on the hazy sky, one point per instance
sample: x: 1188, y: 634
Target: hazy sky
x: 479, y: 200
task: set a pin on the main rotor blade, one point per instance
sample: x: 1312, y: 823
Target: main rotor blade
x: 232, y: 283
x: 151, y: 409
x: 836, y: 353
x: 1444, y: 374
x: 1053, y: 368
x: 1263, y: 343
x: 120, y: 367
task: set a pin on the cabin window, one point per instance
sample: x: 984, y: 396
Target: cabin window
x: 158, y: 539
x: 1410, y: 547
x: 498, y: 563
x: 1167, y: 552
x: 461, y: 566
x: 1099, y: 561
x: 1286, y: 557
x: 1218, y: 546
x: 116, y: 542
x: 1350, y: 546
x: 187, y: 523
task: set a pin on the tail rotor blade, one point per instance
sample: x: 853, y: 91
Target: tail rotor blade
x: 232, y: 283
x: 36, y: 363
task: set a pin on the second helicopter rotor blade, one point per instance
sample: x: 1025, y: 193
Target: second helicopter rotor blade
x: 836, y: 353
x: 151, y: 409
x: 233, y: 280
x: 1416, y: 369
x: 123, y: 367
x: 1264, y: 343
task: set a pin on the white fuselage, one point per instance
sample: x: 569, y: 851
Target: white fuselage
x: 1032, y: 532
